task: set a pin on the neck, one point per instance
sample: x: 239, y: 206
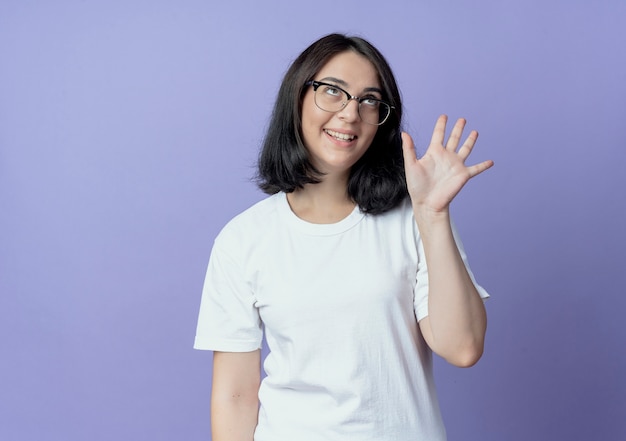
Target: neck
x: 323, y: 203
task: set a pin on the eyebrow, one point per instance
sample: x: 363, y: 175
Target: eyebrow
x: 344, y: 84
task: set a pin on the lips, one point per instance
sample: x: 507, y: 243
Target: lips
x: 340, y: 136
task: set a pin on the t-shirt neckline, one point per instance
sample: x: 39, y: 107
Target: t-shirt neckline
x: 312, y: 229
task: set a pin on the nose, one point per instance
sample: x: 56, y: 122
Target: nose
x: 350, y: 112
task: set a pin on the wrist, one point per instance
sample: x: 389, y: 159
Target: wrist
x: 427, y: 214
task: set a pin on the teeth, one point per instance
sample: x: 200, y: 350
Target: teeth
x: 340, y: 136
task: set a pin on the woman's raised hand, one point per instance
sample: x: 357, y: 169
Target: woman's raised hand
x: 436, y: 178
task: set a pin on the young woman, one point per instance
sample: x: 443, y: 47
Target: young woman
x: 351, y: 268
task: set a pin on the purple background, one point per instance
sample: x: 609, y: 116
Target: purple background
x: 128, y: 134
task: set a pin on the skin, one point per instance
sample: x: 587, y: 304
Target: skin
x: 456, y: 324
x: 234, y: 395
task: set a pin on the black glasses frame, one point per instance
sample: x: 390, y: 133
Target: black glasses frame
x: 359, y: 100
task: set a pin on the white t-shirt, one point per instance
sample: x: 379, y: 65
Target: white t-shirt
x: 339, y: 304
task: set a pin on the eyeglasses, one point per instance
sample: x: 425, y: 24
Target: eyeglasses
x: 332, y: 98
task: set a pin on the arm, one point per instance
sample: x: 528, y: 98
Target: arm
x: 234, y: 396
x: 456, y: 323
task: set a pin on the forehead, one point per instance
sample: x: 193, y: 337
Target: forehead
x: 352, y: 68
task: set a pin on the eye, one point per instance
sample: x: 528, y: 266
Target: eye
x: 370, y: 102
x: 332, y: 91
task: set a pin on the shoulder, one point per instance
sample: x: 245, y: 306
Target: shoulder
x: 250, y: 223
x: 403, y: 213
x: 398, y: 222
x: 398, y: 226
x: 265, y: 207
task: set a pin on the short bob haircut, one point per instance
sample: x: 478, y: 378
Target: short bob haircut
x: 377, y: 181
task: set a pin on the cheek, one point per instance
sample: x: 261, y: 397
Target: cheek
x: 308, y: 112
x: 370, y: 135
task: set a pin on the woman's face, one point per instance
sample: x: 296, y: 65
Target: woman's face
x: 336, y: 141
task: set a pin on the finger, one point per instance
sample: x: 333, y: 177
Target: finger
x: 455, y: 135
x: 439, y: 133
x: 408, y: 148
x: 468, y: 145
x: 477, y: 169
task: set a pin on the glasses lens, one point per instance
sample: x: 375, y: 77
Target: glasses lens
x: 329, y: 98
x: 373, y: 111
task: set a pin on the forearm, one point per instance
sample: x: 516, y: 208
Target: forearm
x: 456, y: 315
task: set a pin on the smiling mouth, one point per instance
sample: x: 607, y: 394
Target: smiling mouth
x: 340, y: 136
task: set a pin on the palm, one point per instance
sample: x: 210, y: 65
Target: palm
x: 435, y: 179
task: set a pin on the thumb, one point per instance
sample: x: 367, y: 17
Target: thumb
x: 408, y: 148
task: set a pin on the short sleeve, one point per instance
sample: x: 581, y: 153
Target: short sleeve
x: 422, y: 286
x: 228, y: 320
